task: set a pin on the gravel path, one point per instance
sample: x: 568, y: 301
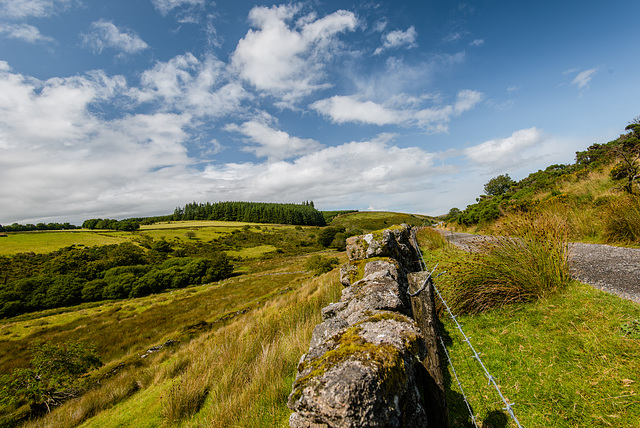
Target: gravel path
x: 615, y: 270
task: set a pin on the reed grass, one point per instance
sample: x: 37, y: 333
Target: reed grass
x: 430, y: 239
x: 622, y: 222
x: 529, y: 261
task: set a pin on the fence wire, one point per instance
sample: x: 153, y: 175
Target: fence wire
x: 476, y: 356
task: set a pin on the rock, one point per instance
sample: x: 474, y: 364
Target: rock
x: 396, y: 243
x: 367, y: 375
x: 364, y: 366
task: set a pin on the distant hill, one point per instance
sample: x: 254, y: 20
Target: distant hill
x: 598, y: 195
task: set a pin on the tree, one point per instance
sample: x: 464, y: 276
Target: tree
x: 498, y: 185
x: 54, y: 374
x: 628, y: 167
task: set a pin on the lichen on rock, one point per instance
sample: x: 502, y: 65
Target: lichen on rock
x: 364, y: 364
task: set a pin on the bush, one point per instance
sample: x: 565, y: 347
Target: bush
x: 54, y: 374
x: 528, y: 265
x: 622, y: 222
x: 319, y: 265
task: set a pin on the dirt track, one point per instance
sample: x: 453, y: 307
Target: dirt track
x: 615, y: 270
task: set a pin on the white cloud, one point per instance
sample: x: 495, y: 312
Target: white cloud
x: 63, y: 160
x: 166, y: 6
x: 349, y: 174
x: 343, y: 109
x: 287, y: 60
x: 452, y: 37
x: 477, y: 42
x: 184, y: 82
x: 584, y: 77
x: 396, y: 39
x: 507, y: 152
x: 272, y: 143
x: 34, y: 8
x: 25, y: 32
x: 105, y: 34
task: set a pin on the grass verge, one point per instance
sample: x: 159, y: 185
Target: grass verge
x: 530, y: 262
x: 565, y: 361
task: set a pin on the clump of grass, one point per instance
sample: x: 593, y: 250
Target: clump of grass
x: 184, y: 398
x: 528, y: 263
x: 622, y: 222
x: 431, y: 239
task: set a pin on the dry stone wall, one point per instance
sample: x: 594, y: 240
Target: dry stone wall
x: 368, y: 363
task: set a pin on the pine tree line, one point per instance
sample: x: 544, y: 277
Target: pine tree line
x: 252, y: 212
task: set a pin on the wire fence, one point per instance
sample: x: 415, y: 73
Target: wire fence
x: 492, y: 381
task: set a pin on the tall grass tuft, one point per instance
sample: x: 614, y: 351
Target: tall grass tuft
x: 529, y: 261
x: 431, y: 239
x: 622, y: 222
x: 184, y: 398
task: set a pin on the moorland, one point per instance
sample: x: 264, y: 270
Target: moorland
x: 196, y: 322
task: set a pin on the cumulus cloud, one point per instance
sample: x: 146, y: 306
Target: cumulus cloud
x: 62, y: 159
x: 343, y: 109
x: 24, y: 32
x: 507, y: 152
x: 187, y: 83
x: 286, y: 59
x: 396, y: 39
x: 332, y: 174
x: 104, y: 34
x: 33, y: 8
x: 265, y: 141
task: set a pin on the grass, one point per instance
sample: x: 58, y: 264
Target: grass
x: 252, y: 252
x: 370, y: 220
x: 563, y: 360
x: 567, y: 356
x: 237, y: 375
x: 529, y: 261
x: 141, y: 323
x: 623, y: 221
x: 47, y: 241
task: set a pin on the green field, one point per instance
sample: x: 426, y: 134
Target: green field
x: 47, y: 241
x: 570, y: 359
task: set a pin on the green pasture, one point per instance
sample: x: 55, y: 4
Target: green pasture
x: 47, y: 241
x: 564, y: 361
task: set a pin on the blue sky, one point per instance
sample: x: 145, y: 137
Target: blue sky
x: 131, y: 108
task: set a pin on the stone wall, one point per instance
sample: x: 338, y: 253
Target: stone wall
x: 370, y: 364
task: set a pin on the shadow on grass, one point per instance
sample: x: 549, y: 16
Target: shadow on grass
x: 459, y: 416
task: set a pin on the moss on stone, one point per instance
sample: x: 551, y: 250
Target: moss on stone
x: 386, y: 359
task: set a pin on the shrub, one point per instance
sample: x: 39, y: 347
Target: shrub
x: 622, y: 222
x: 54, y: 374
x: 319, y: 265
x: 530, y: 263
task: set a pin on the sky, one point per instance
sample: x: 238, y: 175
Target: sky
x: 130, y: 108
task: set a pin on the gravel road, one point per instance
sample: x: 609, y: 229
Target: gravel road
x: 612, y: 269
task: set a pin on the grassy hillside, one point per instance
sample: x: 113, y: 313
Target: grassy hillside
x: 225, y: 354
x: 272, y: 301
x: 599, y: 195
